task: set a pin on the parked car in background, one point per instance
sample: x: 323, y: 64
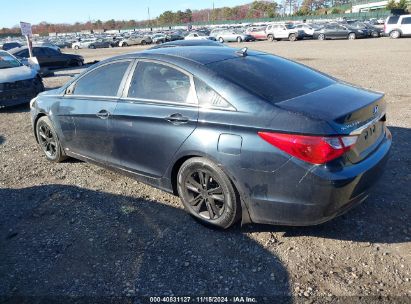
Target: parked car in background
x: 18, y: 83
x: 159, y: 38
x: 307, y: 29
x: 49, y: 58
x: 236, y: 134
x: 371, y: 30
x: 398, y: 26
x: 258, y: 33
x: 135, y: 40
x: 283, y: 31
x: 91, y: 44
x: 338, y: 31
x: 63, y: 44
x: 174, y: 37
x: 198, y: 36
x: 11, y: 45
x: 233, y: 36
x: 178, y: 43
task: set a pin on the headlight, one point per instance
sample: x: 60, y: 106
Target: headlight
x: 360, y: 31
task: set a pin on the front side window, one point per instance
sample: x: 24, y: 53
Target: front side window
x: 156, y: 81
x: 102, y: 81
x: 207, y: 97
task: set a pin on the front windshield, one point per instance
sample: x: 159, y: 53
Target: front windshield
x: 7, y: 61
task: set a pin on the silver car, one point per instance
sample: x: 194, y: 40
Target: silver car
x: 233, y: 36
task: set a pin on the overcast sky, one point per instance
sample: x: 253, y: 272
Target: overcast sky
x: 58, y: 11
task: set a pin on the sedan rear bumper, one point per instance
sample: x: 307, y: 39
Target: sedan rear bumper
x: 298, y: 197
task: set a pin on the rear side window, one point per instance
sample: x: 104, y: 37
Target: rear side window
x: 102, y: 81
x: 159, y: 82
x: 207, y: 97
x: 393, y: 19
x: 272, y: 78
x: 406, y: 20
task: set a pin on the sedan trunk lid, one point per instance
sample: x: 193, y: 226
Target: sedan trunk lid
x: 349, y: 111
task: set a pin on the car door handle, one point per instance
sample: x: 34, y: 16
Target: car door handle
x: 177, y: 119
x: 103, y: 114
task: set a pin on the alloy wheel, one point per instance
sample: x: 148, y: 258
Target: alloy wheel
x: 394, y: 34
x: 205, y: 195
x: 47, y: 140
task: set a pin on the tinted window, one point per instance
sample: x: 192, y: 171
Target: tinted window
x: 103, y: 81
x: 23, y: 54
x: 272, y: 78
x: 406, y: 20
x: 38, y: 52
x: 50, y: 52
x: 393, y: 19
x: 159, y: 82
x: 207, y: 97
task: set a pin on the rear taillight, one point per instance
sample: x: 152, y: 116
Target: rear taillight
x: 312, y: 149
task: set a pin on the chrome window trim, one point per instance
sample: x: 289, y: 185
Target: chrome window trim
x: 192, y: 94
x: 120, y: 88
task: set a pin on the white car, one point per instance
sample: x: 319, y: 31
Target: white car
x: 198, y: 36
x: 398, y: 26
x: 306, y: 28
x: 83, y: 44
x: 283, y: 31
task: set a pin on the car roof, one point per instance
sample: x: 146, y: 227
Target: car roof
x: 200, y: 54
x: 189, y: 43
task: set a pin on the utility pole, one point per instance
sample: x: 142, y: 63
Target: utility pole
x: 213, y: 12
x: 149, y: 19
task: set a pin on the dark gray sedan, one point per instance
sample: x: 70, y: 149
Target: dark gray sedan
x: 237, y: 134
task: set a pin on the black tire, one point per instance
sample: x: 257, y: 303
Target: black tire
x: 292, y: 37
x: 321, y: 37
x: 196, y: 179
x: 270, y: 37
x: 48, y: 140
x: 239, y: 40
x: 352, y: 36
x: 124, y: 44
x: 221, y: 39
x: 143, y: 42
x: 91, y: 46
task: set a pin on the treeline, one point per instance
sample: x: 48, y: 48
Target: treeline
x: 254, y: 10
x: 257, y: 9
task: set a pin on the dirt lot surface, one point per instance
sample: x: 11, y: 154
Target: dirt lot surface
x: 74, y: 229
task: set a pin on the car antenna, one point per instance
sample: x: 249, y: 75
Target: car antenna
x: 242, y: 52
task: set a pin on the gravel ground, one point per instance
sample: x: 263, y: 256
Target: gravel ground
x: 77, y: 230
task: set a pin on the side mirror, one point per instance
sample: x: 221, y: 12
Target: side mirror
x: 70, y: 89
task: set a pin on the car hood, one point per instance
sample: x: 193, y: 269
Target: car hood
x: 16, y: 74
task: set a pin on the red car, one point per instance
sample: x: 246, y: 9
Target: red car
x: 258, y: 33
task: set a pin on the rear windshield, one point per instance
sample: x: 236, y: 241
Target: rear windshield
x: 272, y: 78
